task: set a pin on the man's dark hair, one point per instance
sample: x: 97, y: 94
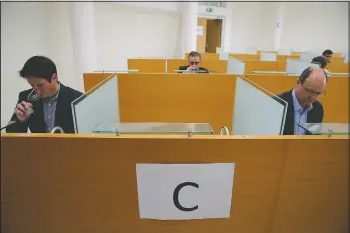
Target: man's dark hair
x: 39, y: 67
x: 306, y: 73
x: 327, y: 52
x: 194, y: 54
x: 320, y: 60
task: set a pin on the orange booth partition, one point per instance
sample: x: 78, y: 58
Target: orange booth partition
x: 206, y: 98
x: 87, y: 183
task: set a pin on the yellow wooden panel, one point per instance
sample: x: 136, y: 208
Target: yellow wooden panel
x: 208, y: 97
x: 92, y: 79
x: 338, y: 67
x: 335, y: 102
x: 266, y: 51
x: 285, y: 57
x: 297, y: 53
x: 89, y: 184
x: 174, y: 64
x: 219, y: 66
x: 147, y: 65
x: 337, y: 59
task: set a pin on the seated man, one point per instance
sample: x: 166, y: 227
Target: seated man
x: 328, y: 54
x: 53, y: 105
x: 303, y: 106
x: 322, y: 61
x: 194, y: 60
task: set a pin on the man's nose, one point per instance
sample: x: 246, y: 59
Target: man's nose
x: 36, y: 89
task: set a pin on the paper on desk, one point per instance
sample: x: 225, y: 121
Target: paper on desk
x: 158, y: 184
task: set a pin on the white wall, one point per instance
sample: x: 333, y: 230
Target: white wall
x: 29, y: 29
x: 246, y: 26
x: 23, y: 34
x: 309, y: 26
x: 131, y: 29
x: 124, y: 31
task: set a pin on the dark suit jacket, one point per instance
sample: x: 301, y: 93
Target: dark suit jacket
x: 36, y: 122
x: 315, y: 115
x: 203, y: 70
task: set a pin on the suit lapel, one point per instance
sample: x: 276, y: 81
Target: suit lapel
x: 59, y: 107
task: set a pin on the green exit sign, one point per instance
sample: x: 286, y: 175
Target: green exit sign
x: 210, y: 9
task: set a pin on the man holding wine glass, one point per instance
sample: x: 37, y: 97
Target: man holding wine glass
x: 47, y: 104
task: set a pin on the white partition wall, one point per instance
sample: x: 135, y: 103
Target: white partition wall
x: 235, y: 66
x: 296, y: 67
x: 223, y: 55
x: 307, y: 56
x: 265, y: 56
x: 251, y: 50
x: 285, y: 52
x: 99, y: 104
x: 257, y: 111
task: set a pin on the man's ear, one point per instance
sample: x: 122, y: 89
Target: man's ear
x: 54, y: 77
x: 298, y: 82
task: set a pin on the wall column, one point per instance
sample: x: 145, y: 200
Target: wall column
x: 83, y: 38
x: 189, y: 26
x: 276, y: 40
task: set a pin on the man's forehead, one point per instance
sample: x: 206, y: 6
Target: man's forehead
x: 35, y: 80
x: 194, y: 58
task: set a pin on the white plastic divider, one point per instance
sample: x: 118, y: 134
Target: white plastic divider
x: 307, y: 56
x: 266, y: 56
x: 287, y: 52
x: 223, y: 55
x: 296, y: 67
x: 256, y: 110
x: 99, y: 104
x: 235, y: 66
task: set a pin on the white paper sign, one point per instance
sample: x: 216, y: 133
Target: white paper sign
x: 184, y: 191
x: 199, y: 30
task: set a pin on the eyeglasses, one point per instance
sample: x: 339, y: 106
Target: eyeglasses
x: 313, y: 92
x: 194, y: 63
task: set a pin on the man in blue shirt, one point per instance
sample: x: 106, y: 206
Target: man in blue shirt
x: 303, y: 106
x: 52, y: 108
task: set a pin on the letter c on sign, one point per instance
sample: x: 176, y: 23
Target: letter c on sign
x: 176, y: 196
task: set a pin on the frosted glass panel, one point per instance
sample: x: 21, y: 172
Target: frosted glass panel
x: 251, y: 50
x: 154, y: 128
x: 98, y: 105
x: 235, y: 66
x: 264, y: 56
x: 284, y: 52
x: 223, y: 55
x: 296, y: 67
x: 308, y: 56
x: 255, y: 111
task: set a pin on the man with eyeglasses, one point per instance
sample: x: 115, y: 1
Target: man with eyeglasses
x: 328, y: 54
x: 52, y: 103
x: 303, y: 106
x: 194, y: 60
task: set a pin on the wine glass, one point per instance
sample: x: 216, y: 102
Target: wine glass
x: 32, y: 97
